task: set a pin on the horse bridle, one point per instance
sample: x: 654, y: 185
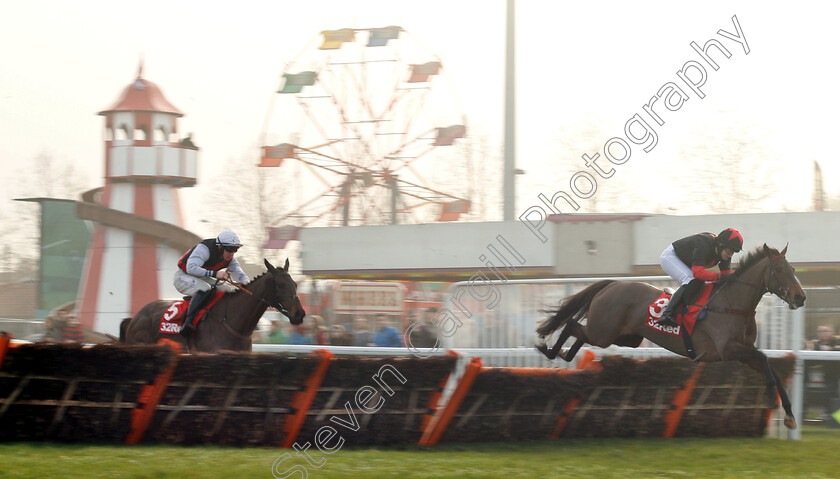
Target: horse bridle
x: 279, y: 307
x: 781, y: 291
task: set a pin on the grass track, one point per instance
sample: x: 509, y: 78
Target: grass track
x: 815, y: 456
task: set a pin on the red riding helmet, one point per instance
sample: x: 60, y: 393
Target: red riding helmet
x: 731, y: 238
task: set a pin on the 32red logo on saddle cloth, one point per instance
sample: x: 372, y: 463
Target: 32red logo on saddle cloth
x: 688, y: 320
x: 173, y: 317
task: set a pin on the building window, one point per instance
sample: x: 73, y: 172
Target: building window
x: 140, y: 134
x: 160, y: 134
x: 121, y: 133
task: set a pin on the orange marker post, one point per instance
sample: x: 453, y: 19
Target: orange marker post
x: 302, y: 400
x: 149, y: 398
x: 4, y: 346
x: 679, y: 402
x: 434, y: 398
x: 439, y: 423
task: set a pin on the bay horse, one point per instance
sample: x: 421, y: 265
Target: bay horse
x: 228, y: 325
x: 617, y: 313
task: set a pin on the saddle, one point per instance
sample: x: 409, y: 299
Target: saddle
x: 686, y: 316
x: 173, y: 317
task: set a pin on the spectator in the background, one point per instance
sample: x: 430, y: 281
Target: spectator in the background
x: 63, y: 326
x: 826, y: 341
x: 361, y: 332
x: 73, y: 332
x: 300, y: 335
x: 339, y: 336
x: 422, y: 333
x: 320, y: 330
x: 276, y: 335
x: 386, y: 336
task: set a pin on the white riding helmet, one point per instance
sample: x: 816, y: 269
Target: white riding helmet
x: 228, y: 238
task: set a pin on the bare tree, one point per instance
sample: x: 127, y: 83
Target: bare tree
x: 44, y: 177
x: 480, y: 175
x: 615, y: 189
x: 238, y: 207
x: 728, y: 169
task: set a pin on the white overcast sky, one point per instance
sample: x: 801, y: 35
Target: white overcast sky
x: 61, y: 62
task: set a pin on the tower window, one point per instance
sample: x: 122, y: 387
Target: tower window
x: 140, y: 134
x: 121, y: 133
x: 160, y: 134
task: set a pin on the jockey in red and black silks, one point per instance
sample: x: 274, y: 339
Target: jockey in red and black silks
x: 687, y: 259
x: 205, y: 261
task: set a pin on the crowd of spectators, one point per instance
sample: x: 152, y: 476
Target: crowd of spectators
x: 379, y: 330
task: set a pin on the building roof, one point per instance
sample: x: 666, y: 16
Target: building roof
x: 590, y: 217
x: 142, y: 95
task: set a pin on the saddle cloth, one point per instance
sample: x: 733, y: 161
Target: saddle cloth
x: 172, y: 319
x: 685, y: 318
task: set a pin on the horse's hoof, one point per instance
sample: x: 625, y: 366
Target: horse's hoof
x: 790, y: 422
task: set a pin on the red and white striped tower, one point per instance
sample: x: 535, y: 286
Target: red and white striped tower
x: 131, y: 261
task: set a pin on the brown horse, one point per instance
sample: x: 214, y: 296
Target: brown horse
x: 228, y: 325
x: 616, y: 313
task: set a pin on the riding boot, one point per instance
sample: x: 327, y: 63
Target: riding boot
x: 685, y: 294
x: 667, y: 316
x: 196, y: 303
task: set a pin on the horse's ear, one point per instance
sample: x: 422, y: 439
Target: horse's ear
x: 767, y: 251
x: 286, y: 266
x: 784, y: 250
x: 269, y: 266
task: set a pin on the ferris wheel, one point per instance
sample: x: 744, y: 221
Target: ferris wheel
x: 364, y: 130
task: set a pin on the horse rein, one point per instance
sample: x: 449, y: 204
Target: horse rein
x: 279, y: 306
x: 708, y: 306
x: 780, y: 291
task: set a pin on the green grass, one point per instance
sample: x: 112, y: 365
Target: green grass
x: 815, y: 456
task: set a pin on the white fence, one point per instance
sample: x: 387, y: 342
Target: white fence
x: 22, y: 328
x: 506, y: 314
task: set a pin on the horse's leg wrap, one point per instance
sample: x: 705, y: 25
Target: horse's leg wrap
x: 555, y: 350
x: 572, y: 352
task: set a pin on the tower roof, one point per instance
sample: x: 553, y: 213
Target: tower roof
x: 142, y: 95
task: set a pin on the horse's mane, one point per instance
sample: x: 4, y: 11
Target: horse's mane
x: 753, y: 257
x: 255, y: 279
x: 239, y: 290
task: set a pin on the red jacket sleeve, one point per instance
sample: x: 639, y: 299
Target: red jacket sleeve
x: 700, y: 272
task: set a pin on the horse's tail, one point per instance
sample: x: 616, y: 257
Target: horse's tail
x: 124, y: 329
x: 573, y: 307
